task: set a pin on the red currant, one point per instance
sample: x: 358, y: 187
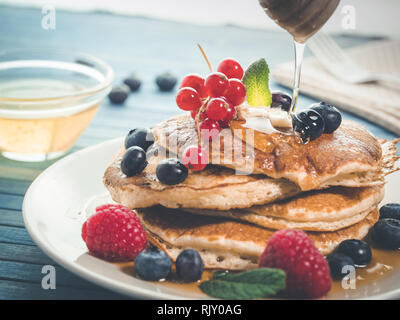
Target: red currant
x: 216, y: 84
x: 203, y: 114
x: 209, y: 129
x: 188, y: 99
x: 231, y: 68
x: 196, y: 82
x: 217, y: 109
x: 195, y: 158
x: 231, y: 112
x: 236, y: 93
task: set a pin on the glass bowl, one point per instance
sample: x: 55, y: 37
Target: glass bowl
x: 47, y: 99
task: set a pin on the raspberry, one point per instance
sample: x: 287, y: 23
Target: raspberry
x: 307, y: 271
x: 114, y: 233
x: 84, y: 231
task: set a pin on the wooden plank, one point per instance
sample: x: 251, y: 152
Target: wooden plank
x: 18, y: 173
x: 8, y: 201
x: 132, y: 119
x: 12, y: 218
x: 164, y: 110
x: 84, y: 142
x: 102, y: 133
x: 31, y: 165
x: 24, y: 253
x: 15, y: 235
x: 25, y: 290
x: 12, y: 186
x: 22, y: 271
x: 121, y: 123
x: 113, y: 123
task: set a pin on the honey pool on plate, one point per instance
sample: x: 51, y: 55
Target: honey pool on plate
x: 367, y: 278
x: 383, y: 262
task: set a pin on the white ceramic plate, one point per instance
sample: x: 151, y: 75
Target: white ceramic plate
x: 53, y: 215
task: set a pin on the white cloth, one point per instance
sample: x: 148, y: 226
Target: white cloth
x: 374, y: 102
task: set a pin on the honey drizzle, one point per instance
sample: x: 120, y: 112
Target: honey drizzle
x: 383, y: 263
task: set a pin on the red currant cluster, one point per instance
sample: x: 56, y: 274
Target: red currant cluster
x: 212, y: 103
x: 213, y: 99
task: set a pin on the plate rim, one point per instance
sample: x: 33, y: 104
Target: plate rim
x: 104, y: 281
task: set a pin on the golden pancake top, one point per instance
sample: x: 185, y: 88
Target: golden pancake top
x: 212, y: 188
x: 350, y: 149
x: 212, y: 176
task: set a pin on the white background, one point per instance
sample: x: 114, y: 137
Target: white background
x: 373, y: 17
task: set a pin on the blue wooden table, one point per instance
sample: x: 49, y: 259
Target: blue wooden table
x: 129, y: 44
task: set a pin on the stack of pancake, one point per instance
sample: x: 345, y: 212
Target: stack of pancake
x: 256, y: 183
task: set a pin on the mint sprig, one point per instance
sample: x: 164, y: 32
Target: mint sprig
x: 256, y: 81
x: 252, y: 284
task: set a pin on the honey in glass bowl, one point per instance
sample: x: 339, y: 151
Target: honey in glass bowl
x: 47, y: 99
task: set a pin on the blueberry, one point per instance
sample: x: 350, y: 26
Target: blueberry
x: 358, y: 250
x: 140, y: 137
x: 133, y: 82
x: 171, y: 171
x: 133, y: 161
x: 281, y: 100
x: 152, y: 264
x: 308, y: 124
x: 337, y: 261
x: 119, y: 94
x: 386, y: 233
x: 390, y: 210
x: 166, y: 81
x: 189, y: 265
x: 330, y: 114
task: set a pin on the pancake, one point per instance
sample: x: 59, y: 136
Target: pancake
x: 212, y: 188
x: 327, y: 210
x: 350, y: 156
x: 227, y: 244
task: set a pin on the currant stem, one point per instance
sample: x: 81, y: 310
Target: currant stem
x: 205, y: 57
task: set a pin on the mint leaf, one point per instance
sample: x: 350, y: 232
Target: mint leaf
x: 256, y: 81
x: 257, y: 283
